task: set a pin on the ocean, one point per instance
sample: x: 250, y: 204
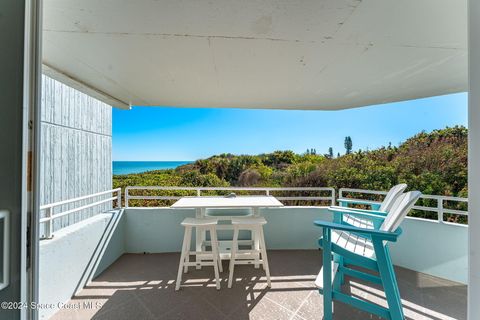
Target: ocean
x: 126, y: 167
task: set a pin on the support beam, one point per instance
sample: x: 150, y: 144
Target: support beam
x: 474, y: 160
x: 84, y: 88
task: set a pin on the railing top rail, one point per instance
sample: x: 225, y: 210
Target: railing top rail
x: 361, y: 191
x: 267, y: 190
x: 424, y: 196
x: 231, y: 188
x: 56, y: 216
x: 448, y: 198
x: 179, y: 197
x: 59, y: 203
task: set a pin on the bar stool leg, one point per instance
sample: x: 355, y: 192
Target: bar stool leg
x: 200, y: 238
x: 260, y: 234
x: 264, y: 255
x: 213, y: 241
x: 188, y: 234
x: 185, y: 251
x: 233, y: 255
x: 213, y: 235
x: 256, y: 246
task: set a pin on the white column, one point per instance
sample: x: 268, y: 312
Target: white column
x: 474, y: 160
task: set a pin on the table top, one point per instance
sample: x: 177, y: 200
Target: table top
x: 228, y: 202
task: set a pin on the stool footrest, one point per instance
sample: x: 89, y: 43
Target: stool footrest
x: 228, y: 243
x: 194, y: 264
x: 200, y: 253
x: 245, y: 261
x: 247, y: 251
x: 247, y: 255
x: 204, y: 256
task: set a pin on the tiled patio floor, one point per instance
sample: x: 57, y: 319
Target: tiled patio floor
x: 140, y: 287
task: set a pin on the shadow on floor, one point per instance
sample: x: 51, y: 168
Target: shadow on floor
x: 142, y: 287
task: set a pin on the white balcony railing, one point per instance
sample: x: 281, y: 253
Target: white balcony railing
x: 440, y: 207
x: 49, y: 217
x: 200, y: 191
x: 442, y: 204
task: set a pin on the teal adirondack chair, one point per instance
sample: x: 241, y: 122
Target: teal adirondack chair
x: 366, y: 247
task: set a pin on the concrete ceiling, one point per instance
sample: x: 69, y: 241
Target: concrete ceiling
x: 309, y: 54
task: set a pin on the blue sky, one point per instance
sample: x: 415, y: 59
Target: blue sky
x: 165, y: 133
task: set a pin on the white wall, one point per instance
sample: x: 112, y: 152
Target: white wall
x: 438, y: 249
x: 76, y: 150
x: 75, y: 255
x: 156, y: 230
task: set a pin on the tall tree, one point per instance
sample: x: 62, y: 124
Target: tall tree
x: 348, y: 145
x: 330, y: 152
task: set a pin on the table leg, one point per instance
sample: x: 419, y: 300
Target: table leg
x: 204, y: 231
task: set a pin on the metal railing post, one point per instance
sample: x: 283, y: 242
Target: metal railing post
x: 440, y: 209
x: 119, y: 198
x: 199, y: 192
x: 126, y: 197
x: 48, y: 225
x: 333, y: 197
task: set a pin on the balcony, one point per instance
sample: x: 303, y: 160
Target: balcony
x: 122, y: 263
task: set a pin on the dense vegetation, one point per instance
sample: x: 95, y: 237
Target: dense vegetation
x: 434, y: 163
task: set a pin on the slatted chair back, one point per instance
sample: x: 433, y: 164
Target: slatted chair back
x: 400, y: 208
x: 391, y: 196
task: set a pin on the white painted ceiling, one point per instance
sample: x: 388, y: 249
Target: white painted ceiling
x: 304, y: 54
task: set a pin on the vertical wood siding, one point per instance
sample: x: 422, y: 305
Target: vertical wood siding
x: 76, y: 149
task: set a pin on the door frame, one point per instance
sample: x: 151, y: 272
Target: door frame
x: 31, y: 150
x: 20, y: 81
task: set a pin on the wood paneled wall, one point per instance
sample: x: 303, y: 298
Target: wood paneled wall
x: 76, y: 148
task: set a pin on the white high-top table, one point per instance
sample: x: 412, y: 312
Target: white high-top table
x: 201, y: 204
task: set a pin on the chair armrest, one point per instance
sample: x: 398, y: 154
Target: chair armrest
x: 374, y: 212
x: 341, y: 210
x: 381, y: 235
x: 373, y: 204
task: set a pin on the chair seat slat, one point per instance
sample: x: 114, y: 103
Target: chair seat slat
x: 353, y: 243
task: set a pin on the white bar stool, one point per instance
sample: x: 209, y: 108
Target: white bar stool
x: 255, y: 255
x: 203, y: 257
